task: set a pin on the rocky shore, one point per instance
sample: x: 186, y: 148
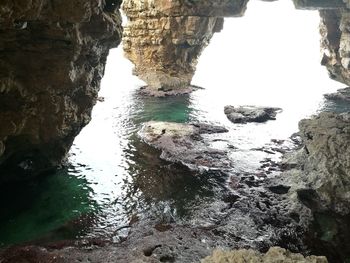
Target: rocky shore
x: 248, y: 211
x: 340, y: 95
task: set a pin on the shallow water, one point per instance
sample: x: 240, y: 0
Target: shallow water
x: 113, y: 177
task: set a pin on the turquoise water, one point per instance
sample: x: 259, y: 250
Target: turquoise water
x: 113, y: 177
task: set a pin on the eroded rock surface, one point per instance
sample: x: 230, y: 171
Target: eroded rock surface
x: 274, y: 255
x: 52, y: 58
x: 320, y: 4
x: 164, y: 39
x: 321, y: 178
x: 340, y: 95
x: 335, y: 43
x: 245, y: 114
x: 184, y: 143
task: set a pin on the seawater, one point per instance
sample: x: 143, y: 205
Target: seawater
x: 269, y: 57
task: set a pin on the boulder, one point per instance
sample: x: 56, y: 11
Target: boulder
x: 245, y: 114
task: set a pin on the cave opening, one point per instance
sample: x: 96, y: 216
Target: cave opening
x: 269, y: 57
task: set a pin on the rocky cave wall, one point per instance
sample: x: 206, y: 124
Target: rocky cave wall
x: 52, y: 58
x: 53, y: 53
x: 335, y: 44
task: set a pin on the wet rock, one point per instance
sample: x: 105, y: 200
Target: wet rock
x: 279, y: 189
x: 245, y: 114
x: 184, y: 143
x: 322, y: 176
x: 52, y: 58
x: 340, y: 95
x: 319, y: 179
x: 274, y: 255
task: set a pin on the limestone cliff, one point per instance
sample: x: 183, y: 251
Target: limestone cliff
x: 164, y: 38
x: 335, y: 44
x: 52, y: 57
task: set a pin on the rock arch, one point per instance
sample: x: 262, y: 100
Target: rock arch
x: 53, y: 53
x: 164, y: 39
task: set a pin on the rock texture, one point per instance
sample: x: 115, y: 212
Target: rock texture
x: 320, y: 4
x: 274, y: 255
x: 340, y: 95
x: 52, y: 57
x: 321, y: 178
x: 244, y: 114
x: 318, y: 177
x: 164, y: 39
x: 335, y: 43
x: 184, y: 143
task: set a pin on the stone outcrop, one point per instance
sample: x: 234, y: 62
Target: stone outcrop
x: 52, y: 58
x: 340, y: 95
x: 245, y: 114
x: 318, y: 178
x: 321, y: 177
x: 320, y: 4
x: 335, y: 43
x: 274, y: 255
x: 183, y: 143
x: 164, y: 39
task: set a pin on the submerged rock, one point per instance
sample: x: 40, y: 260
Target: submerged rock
x: 245, y: 114
x: 274, y: 255
x: 184, y: 143
x: 340, y: 95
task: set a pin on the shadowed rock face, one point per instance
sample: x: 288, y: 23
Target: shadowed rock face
x: 322, y: 178
x: 335, y: 44
x: 52, y: 58
x: 320, y: 4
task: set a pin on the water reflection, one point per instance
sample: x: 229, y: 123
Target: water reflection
x: 32, y: 210
x: 156, y: 182
x: 176, y: 109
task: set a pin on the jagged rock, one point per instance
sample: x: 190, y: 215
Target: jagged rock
x: 319, y: 4
x: 244, y: 114
x: 274, y: 255
x: 321, y: 174
x: 164, y: 39
x: 183, y: 143
x: 52, y: 58
x: 335, y: 43
x: 340, y: 95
